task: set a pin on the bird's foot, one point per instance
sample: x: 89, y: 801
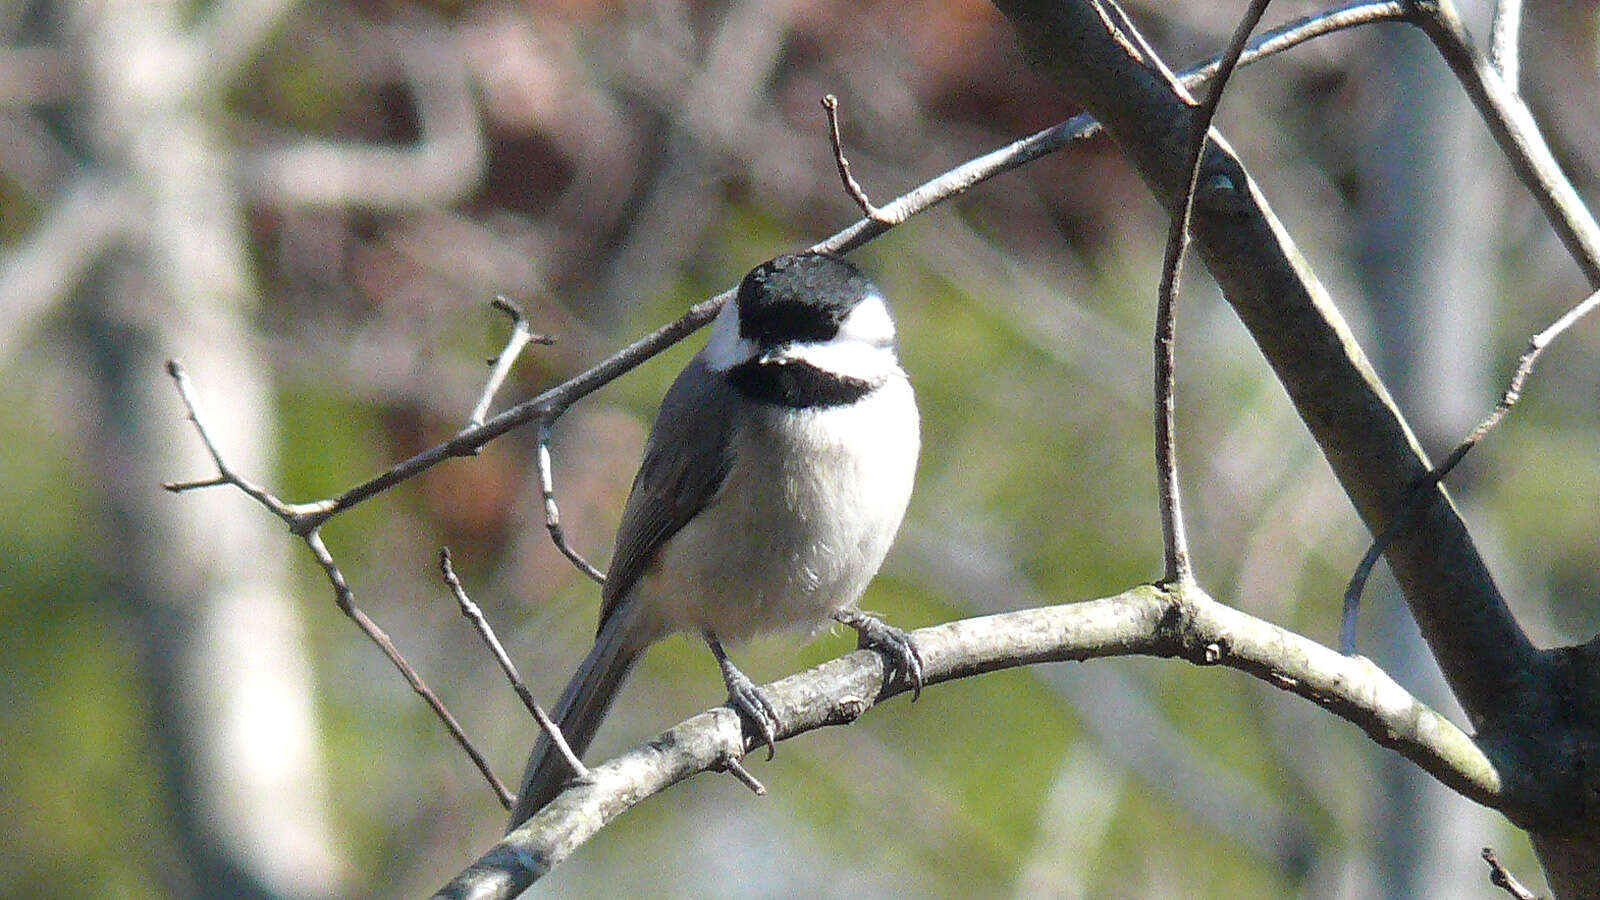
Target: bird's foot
x: 873, y: 633
x: 749, y: 700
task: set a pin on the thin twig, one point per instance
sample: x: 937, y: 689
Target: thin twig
x: 1504, y: 32
x: 1501, y: 877
x: 476, y: 617
x: 830, y: 105
x: 736, y: 768
x: 1179, y: 568
x: 552, y: 513
x: 1083, y: 126
x: 500, y: 366
x: 346, y: 599
x: 1411, y: 502
x: 1518, y: 135
x: 343, y: 595
x: 225, y: 473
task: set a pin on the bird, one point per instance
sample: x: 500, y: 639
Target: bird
x: 774, y: 479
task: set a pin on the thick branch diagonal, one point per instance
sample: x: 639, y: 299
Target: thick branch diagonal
x: 1478, y: 643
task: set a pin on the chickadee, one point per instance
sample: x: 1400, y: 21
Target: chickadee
x: 773, y: 481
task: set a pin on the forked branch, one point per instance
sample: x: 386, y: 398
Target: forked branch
x: 344, y: 596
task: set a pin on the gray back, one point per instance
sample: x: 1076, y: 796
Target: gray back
x: 685, y: 462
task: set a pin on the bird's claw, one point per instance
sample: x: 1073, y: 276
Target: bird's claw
x: 748, y: 700
x: 873, y: 633
x: 752, y: 703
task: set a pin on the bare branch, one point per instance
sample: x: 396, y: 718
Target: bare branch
x: 476, y: 617
x: 1175, y: 544
x: 1082, y: 127
x: 546, y: 407
x: 737, y: 770
x: 552, y: 513
x: 1411, y: 504
x: 305, y: 519
x: 346, y: 599
x: 549, y: 405
x: 500, y: 366
x: 1501, y: 877
x: 1478, y: 642
x: 1504, y: 32
x: 830, y: 105
x: 343, y: 595
x: 1148, y: 620
x: 1517, y: 133
x: 225, y: 473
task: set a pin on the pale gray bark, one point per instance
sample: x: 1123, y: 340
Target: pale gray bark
x: 222, y: 650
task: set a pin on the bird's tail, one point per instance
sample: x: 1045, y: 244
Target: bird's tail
x: 583, y: 705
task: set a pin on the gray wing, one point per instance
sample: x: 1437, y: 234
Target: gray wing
x: 685, y: 462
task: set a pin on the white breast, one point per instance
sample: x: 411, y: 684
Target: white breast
x: 801, y: 523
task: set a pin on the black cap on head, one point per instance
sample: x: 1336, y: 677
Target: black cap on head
x: 799, y: 297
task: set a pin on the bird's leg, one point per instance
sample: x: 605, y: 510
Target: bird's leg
x: 875, y: 634
x: 744, y: 696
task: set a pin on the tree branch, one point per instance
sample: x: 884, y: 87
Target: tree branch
x: 1175, y: 542
x: 552, y: 403
x: 1501, y: 877
x: 1516, y: 132
x: 1484, y: 653
x: 475, y: 615
x: 1147, y: 620
x: 1504, y: 36
x: 344, y: 595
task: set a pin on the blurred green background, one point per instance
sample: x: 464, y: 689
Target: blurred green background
x: 311, y: 203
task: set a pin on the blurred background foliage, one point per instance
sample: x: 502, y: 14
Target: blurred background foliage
x: 312, y: 203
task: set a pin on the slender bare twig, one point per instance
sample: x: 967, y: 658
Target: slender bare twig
x: 1518, y: 135
x: 500, y: 366
x: 830, y: 105
x: 1501, y: 877
x: 343, y: 595
x: 1491, y: 85
x: 552, y: 513
x: 1412, y: 502
x: 734, y: 767
x: 1519, y: 377
x: 1175, y: 543
x: 1504, y: 32
x: 225, y: 473
x: 476, y: 617
x: 1082, y: 127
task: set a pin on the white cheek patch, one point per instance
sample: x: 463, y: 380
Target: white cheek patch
x: 868, y: 323
x: 851, y: 359
x: 725, y: 348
